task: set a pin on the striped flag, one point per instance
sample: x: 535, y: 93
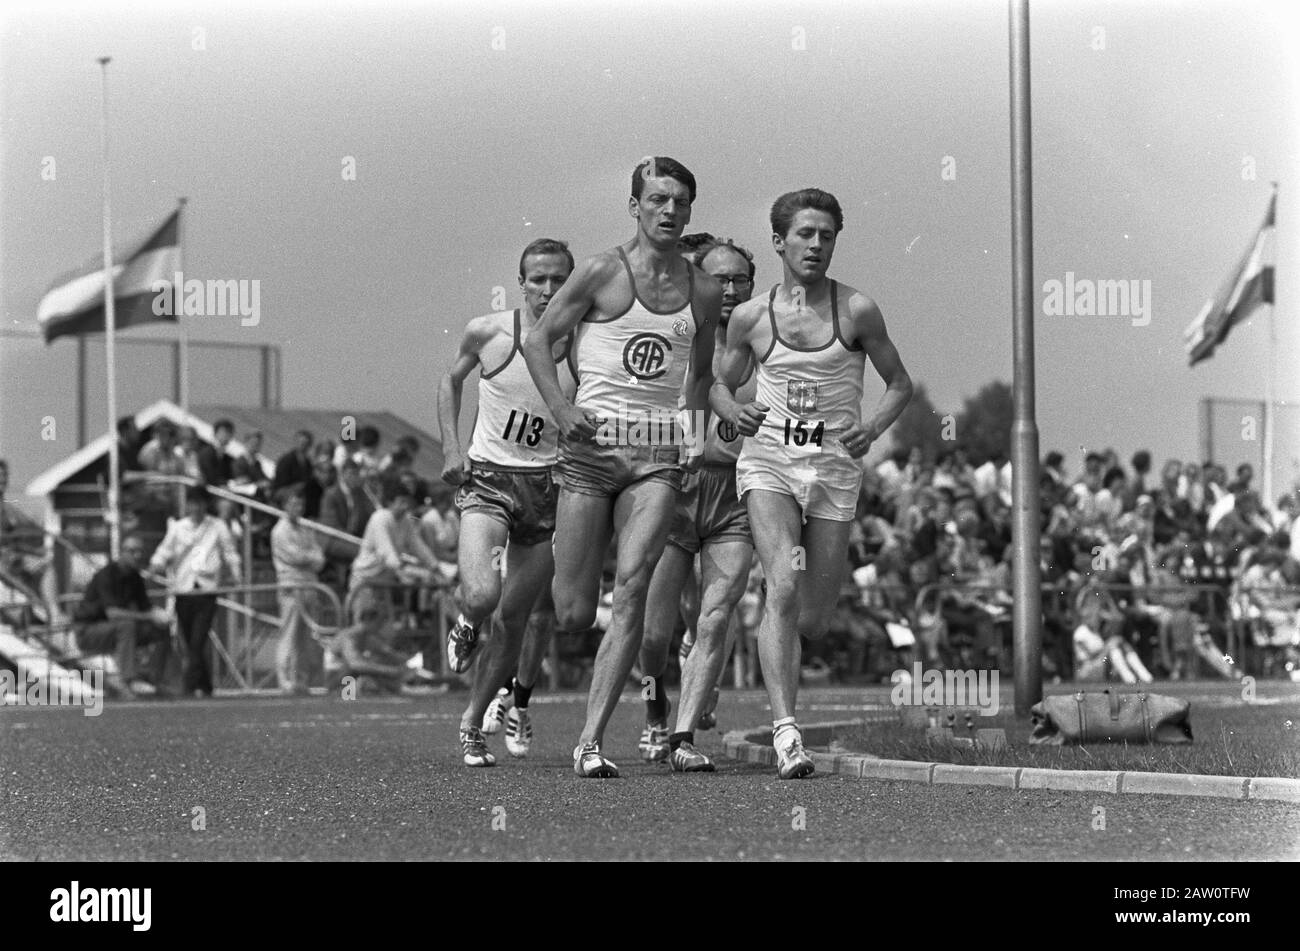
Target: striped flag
x: 74, y: 305
x: 1250, y: 285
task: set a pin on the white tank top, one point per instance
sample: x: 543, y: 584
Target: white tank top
x: 514, y: 428
x: 813, y: 394
x: 635, y: 362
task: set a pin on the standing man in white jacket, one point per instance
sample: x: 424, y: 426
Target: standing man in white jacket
x: 298, y: 558
x: 196, y: 550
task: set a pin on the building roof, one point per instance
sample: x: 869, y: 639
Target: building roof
x: 277, y: 426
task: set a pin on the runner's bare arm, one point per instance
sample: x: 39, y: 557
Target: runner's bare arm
x: 699, y: 379
x: 869, y: 330
x: 478, y: 332
x: 733, y: 370
x: 565, y: 311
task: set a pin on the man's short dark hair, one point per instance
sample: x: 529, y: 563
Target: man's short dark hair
x: 728, y: 245
x: 368, y: 436
x: 695, y: 242
x: 225, y: 424
x: 306, y: 432
x: 397, y: 491
x: 545, y: 246
x: 1113, y: 473
x: 791, y: 203
x: 1053, y: 459
x: 196, y: 493
x: 4, y: 465
x: 660, y: 166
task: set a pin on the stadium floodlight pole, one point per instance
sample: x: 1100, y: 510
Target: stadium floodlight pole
x: 110, y: 326
x: 1027, y: 616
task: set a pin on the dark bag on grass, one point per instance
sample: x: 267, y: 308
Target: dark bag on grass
x: 1108, y: 717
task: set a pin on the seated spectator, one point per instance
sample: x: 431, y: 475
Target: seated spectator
x: 1245, y: 473
x: 392, y: 553
x: 294, y: 467
x: 255, y: 466
x: 367, y: 456
x: 344, y: 506
x: 216, y: 465
x: 298, y: 558
x: 189, y: 453
x: 440, y: 528
x: 161, y: 454
x: 22, y: 542
x: 129, y: 444
x: 359, y: 651
x: 1098, y: 640
x: 321, y: 481
x: 115, y: 617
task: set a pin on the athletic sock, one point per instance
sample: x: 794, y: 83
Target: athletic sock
x: 522, y: 695
x: 656, y: 708
x: 781, y: 730
x: 677, y: 739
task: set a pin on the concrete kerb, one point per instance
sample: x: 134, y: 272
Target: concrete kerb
x: 755, y: 746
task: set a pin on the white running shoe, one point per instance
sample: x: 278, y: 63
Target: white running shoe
x: 590, y: 764
x: 792, y: 762
x: 654, y: 743
x: 462, y: 641
x: 519, y: 732
x: 474, y: 748
x: 495, y: 715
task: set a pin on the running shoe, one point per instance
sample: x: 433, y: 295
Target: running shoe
x: 792, y: 762
x: 496, y: 711
x: 590, y: 764
x: 687, y: 759
x: 474, y: 746
x: 519, y: 732
x: 654, y: 742
x: 709, y: 718
x: 462, y: 641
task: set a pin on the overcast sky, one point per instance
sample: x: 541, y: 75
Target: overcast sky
x: 1157, y: 128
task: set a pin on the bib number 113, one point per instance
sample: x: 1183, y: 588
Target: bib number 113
x: 529, y: 430
x: 799, y: 434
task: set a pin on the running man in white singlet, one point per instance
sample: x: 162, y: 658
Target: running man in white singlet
x: 713, y: 523
x: 644, y: 322
x: 800, y: 470
x: 507, y: 500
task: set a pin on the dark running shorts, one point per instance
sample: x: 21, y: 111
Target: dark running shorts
x: 523, y: 500
x: 591, y: 469
x: 708, y: 510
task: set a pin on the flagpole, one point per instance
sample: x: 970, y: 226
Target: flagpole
x: 1027, y: 616
x: 1270, y: 381
x: 110, y: 326
x: 176, y: 300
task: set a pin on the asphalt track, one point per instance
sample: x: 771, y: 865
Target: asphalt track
x: 327, y: 779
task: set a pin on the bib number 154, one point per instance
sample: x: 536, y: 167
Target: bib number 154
x: 799, y: 433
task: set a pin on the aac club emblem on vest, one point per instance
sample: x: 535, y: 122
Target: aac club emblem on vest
x: 726, y: 431
x: 646, y: 356
x: 680, y: 326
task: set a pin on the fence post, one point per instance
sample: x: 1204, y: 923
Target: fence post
x: 248, y: 581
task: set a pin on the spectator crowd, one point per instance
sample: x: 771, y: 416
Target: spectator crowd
x: 1144, y: 575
